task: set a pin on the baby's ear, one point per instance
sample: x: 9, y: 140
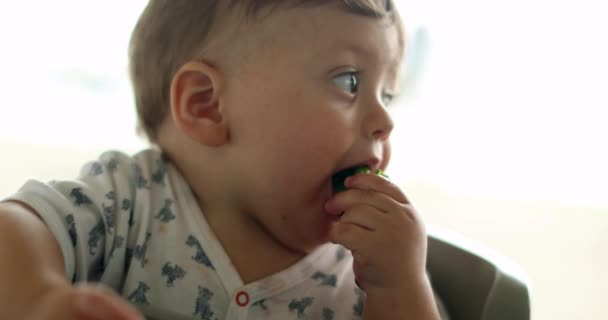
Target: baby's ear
x: 195, y: 103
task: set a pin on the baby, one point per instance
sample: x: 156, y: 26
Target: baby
x: 252, y: 108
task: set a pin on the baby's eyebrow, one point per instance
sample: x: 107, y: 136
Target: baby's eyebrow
x: 355, y: 48
x: 367, y: 52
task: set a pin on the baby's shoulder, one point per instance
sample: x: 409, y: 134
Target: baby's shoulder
x: 116, y: 162
x: 144, y: 157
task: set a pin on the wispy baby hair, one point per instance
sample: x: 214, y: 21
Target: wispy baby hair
x: 170, y: 33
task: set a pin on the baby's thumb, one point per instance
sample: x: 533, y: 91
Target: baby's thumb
x: 100, y: 304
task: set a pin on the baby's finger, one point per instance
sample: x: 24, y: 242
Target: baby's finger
x: 364, y: 216
x: 96, y: 302
x: 351, y: 236
x: 349, y: 199
x: 370, y: 181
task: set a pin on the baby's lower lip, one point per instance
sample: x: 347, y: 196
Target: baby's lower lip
x: 332, y: 217
x: 331, y: 192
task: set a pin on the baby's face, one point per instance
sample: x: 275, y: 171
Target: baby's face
x: 306, y: 103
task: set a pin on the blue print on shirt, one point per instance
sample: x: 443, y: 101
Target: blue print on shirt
x: 139, y: 253
x: 112, y: 165
x: 95, y: 235
x: 203, y: 308
x: 109, y: 215
x: 96, y: 169
x: 126, y: 204
x: 69, y: 219
x: 340, y: 253
x: 201, y: 256
x: 326, y: 279
x: 165, y: 214
x: 328, y: 314
x: 358, y: 307
x: 261, y: 304
x: 140, y: 181
x: 79, y: 197
x: 111, y: 195
x: 172, y: 273
x: 300, y: 306
x: 117, y: 244
x: 159, y: 176
x: 139, y: 295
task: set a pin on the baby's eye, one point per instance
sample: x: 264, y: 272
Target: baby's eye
x: 387, y: 98
x: 348, y: 81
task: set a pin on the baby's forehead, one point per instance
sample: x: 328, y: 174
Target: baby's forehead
x: 339, y: 29
x: 322, y: 31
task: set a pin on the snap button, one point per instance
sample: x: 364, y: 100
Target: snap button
x: 242, y: 298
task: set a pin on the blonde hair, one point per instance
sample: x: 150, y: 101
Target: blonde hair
x: 170, y: 33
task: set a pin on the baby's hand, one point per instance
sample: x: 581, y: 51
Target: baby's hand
x: 82, y: 302
x: 383, y: 231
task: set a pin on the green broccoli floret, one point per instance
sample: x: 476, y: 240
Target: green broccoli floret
x: 338, y: 179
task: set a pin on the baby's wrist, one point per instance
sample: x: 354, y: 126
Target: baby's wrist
x: 405, y: 285
x: 411, y: 299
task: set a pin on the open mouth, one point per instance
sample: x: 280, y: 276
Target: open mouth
x: 337, y: 180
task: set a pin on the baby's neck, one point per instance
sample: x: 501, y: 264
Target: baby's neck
x: 252, y: 251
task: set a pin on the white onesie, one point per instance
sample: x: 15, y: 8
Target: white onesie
x: 132, y: 223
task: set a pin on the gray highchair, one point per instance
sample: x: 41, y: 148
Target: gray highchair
x: 472, y: 284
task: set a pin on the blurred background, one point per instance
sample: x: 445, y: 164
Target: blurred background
x: 501, y: 134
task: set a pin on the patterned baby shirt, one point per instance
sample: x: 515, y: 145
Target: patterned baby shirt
x: 133, y: 224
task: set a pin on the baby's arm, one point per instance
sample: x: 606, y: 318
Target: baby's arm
x: 33, y: 277
x: 30, y: 260
x: 413, y: 301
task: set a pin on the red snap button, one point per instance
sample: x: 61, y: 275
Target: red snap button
x: 242, y: 298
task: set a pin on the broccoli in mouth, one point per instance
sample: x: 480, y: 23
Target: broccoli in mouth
x: 337, y: 180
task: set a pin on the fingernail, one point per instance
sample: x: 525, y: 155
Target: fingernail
x: 85, y: 307
x: 330, y: 209
x: 348, y: 181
